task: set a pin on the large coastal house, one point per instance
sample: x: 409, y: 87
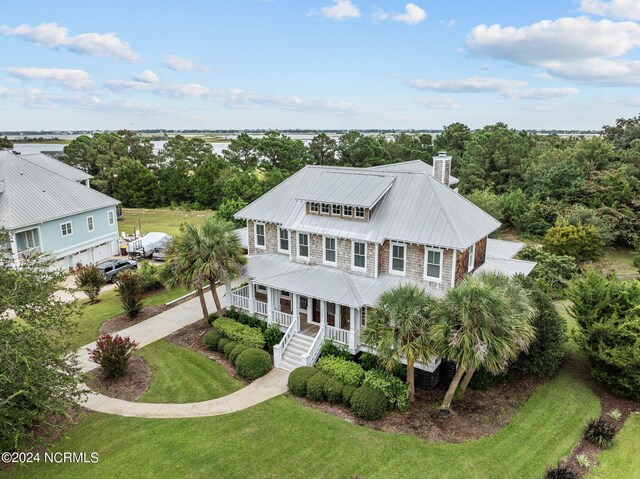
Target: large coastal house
x: 324, y: 244
x: 48, y: 206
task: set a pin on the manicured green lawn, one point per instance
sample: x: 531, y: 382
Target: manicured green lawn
x: 94, y: 315
x: 284, y: 439
x: 618, y: 260
x: 182, y: 375
x: 163, y: 220
x: 622, y: 460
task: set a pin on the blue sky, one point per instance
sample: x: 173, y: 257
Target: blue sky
x: 318, y: 64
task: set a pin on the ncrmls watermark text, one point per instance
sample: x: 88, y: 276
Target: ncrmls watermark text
x: 60, y: 457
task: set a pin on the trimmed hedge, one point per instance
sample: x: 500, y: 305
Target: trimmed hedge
x: 229, y: 347
x: 395, y: 390
x: 253, y: 363
x: 233, y: 355
x: 240, y: 333
x: 211, y: 339
x: 315, y: 386
x: 369, y: 403
x: 299, y: 378
x: 222, y: 343
x: 347, y: 393
x: 333, y: 390
x: 347, y: 372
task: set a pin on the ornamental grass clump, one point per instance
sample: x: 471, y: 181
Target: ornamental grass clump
x: 561, y: 471
x: 600, y: 432
x: 112, y: 353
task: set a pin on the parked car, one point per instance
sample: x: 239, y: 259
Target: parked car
x: 159, y: 254
x: 113, y: 267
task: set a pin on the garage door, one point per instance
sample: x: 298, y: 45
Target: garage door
x: 101, y: 252
x: 82, y: 257
x: 61, y: 264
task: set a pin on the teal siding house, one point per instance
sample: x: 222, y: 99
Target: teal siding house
x: 48, y: 206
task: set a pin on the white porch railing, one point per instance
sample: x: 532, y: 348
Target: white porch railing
x: 283, y: 319
x: 341, y: 336
x: 278, y: 349
x: 240, y: 298
x: 311, y: 356
x: 260, y: 307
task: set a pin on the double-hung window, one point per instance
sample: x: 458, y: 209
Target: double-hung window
x: 359, y: 212
x: 90, y: 223
x: 112, y: 218
x: 330, y: 250
x: 259, y: 234
x: 433, y: 264
x: 283, y: 242
x: 472, y: 257
x: 66, y: 229
x: 303, y: 245
x: 398, y: 258
x: 359, y: 255
x: 313, y: 207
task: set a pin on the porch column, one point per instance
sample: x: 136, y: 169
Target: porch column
x: 14, y: 249
x: 269, y: 305
x: 227, y: 287
x: 295, y: 307
x: 352, y: 329
x: 338, y: 320
x: 252, y: 297
x: 323, y: 312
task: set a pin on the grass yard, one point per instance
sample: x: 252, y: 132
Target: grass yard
x: 618, y: 260
x: 622, y: 460
x: 182, y: 375
x: 94, y: 315
x: 284, y: 439
x: 163, y: 220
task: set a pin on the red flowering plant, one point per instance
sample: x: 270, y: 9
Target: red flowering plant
x: 112, y: 353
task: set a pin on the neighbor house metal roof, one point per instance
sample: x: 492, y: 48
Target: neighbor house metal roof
x: 348, y: 188
x: 503, y: 249
x: 415, y: 166
x: 508, y: 267
x: 417, y: 208
x: 31, y: 194
x: 56, y: 166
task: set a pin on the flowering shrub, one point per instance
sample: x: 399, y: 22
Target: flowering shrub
x: 112, y: 353
x: 89, y: 280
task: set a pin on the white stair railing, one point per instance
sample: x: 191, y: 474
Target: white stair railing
x: 310, y: 357
x: 278, y: 349
x: 283, y: 319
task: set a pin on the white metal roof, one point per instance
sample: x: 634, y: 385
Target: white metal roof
x: 32, y: 194
x: 348, y: 188
x: 509, y: 267
x: 503, y: 249
x: 56, y: 166
x: 417, y: 209
x: 415, y: 166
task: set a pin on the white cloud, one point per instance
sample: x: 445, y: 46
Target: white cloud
x: 412, y: 14
x: 448, y: 23
x: 468, y: 85
x: 439, y: 103
x: 540, y: 93
x: 625, y: 9
x: 69, y: 78
x: 598, y: 71
x: 55, y: 36
x: 340, y: 10
x: 147, y: 76
x: 172, y: 90
x: 182, y: 64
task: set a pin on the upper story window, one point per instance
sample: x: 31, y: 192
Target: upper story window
x: 359, y: 255
x: 313, y: 207
x: 27, y: 240
x: 347, y: 211
x: 330, y: 250
x: 433, y: 264
x: 472, y: 257
x: 325, y: 208
x: 303, y: 245
x: 398, y: 258
x: 283, y: 239
x: 359, y: 212
x: 259, y: 236
x: 335, y: 209
x: 90, y: 223
x: 112, y: 218
x: 66, y: 229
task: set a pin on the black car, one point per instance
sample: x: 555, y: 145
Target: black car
x: 112, y: 267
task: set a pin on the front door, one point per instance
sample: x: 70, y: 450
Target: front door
x: 316, y: 311
x: 304, y: 311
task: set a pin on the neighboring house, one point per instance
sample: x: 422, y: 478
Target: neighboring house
x: 48, y: 206
x: 324, y: 244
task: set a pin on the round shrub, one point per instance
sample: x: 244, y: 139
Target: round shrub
x: 600, y: 432
x: 347, y: 393
x: 333, y: 390
x: 369, y: 403
x: 298, y: 380
x: 315, y: 386
x: 222, y: 343
x: 253, y: 363
x: 211, y: 339
x: 233, y: 355
x: 229, y: 347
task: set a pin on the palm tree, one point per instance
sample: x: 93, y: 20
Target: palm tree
x: 398, y: 327
x: 485, y: 321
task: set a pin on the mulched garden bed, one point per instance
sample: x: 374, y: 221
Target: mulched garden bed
x: 128, y: 387
x: 122, y: 320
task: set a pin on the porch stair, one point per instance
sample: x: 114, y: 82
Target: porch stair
x: 292, y: 355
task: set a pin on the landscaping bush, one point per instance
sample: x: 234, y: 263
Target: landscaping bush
x: 347, y: 372
x: 560, y: 472
x: 222, y: 343
x: 233, y: 355
x: 368, y: 361
x: 333, y: 390
x: 552, y: 273
x: 395, y: 390
x: 315, y: 386
x: 240, y: 333
x: 483, y: 379
x: 228, y: 348
x: 369, y: 403
x: 251, y: 321
x: 330, y: 349
x: 581, y: 242
x: 130, y: 292
x: 299, y: 378
x: 112, y: 353
x: 272, y: 336
x: 211, y: 339
x: 253, y: 363
x: 601, y: 432
x: 347, y: 393
x: 89, y: 280
x: 149, y: 277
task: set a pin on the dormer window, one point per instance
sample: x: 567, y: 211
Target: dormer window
x: 313, y: 207
x: 335, y: 209
x: 347, y: 211
x: 359, y: 212
x: 325, y: 208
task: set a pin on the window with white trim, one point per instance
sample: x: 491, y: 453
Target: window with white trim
x: 259, y: 235
x: 260, y: 288
x: 66, y: 229
x: 28, y: 239
x: 359, y: 255
x: 313, y: 207
x: 90, y: 223
x: 433, y: 264
x: 112, y: 218
x: 359, y: 212
x: 398, y: 258
x: 303, y: 245
x: 472, y: 257
x: 325, y: 208
x: 347, y: 211
x: 335, y: 210
x: 283, y: 239
x: 329, y: 250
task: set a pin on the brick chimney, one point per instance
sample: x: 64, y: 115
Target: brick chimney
x: 442, y: 167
